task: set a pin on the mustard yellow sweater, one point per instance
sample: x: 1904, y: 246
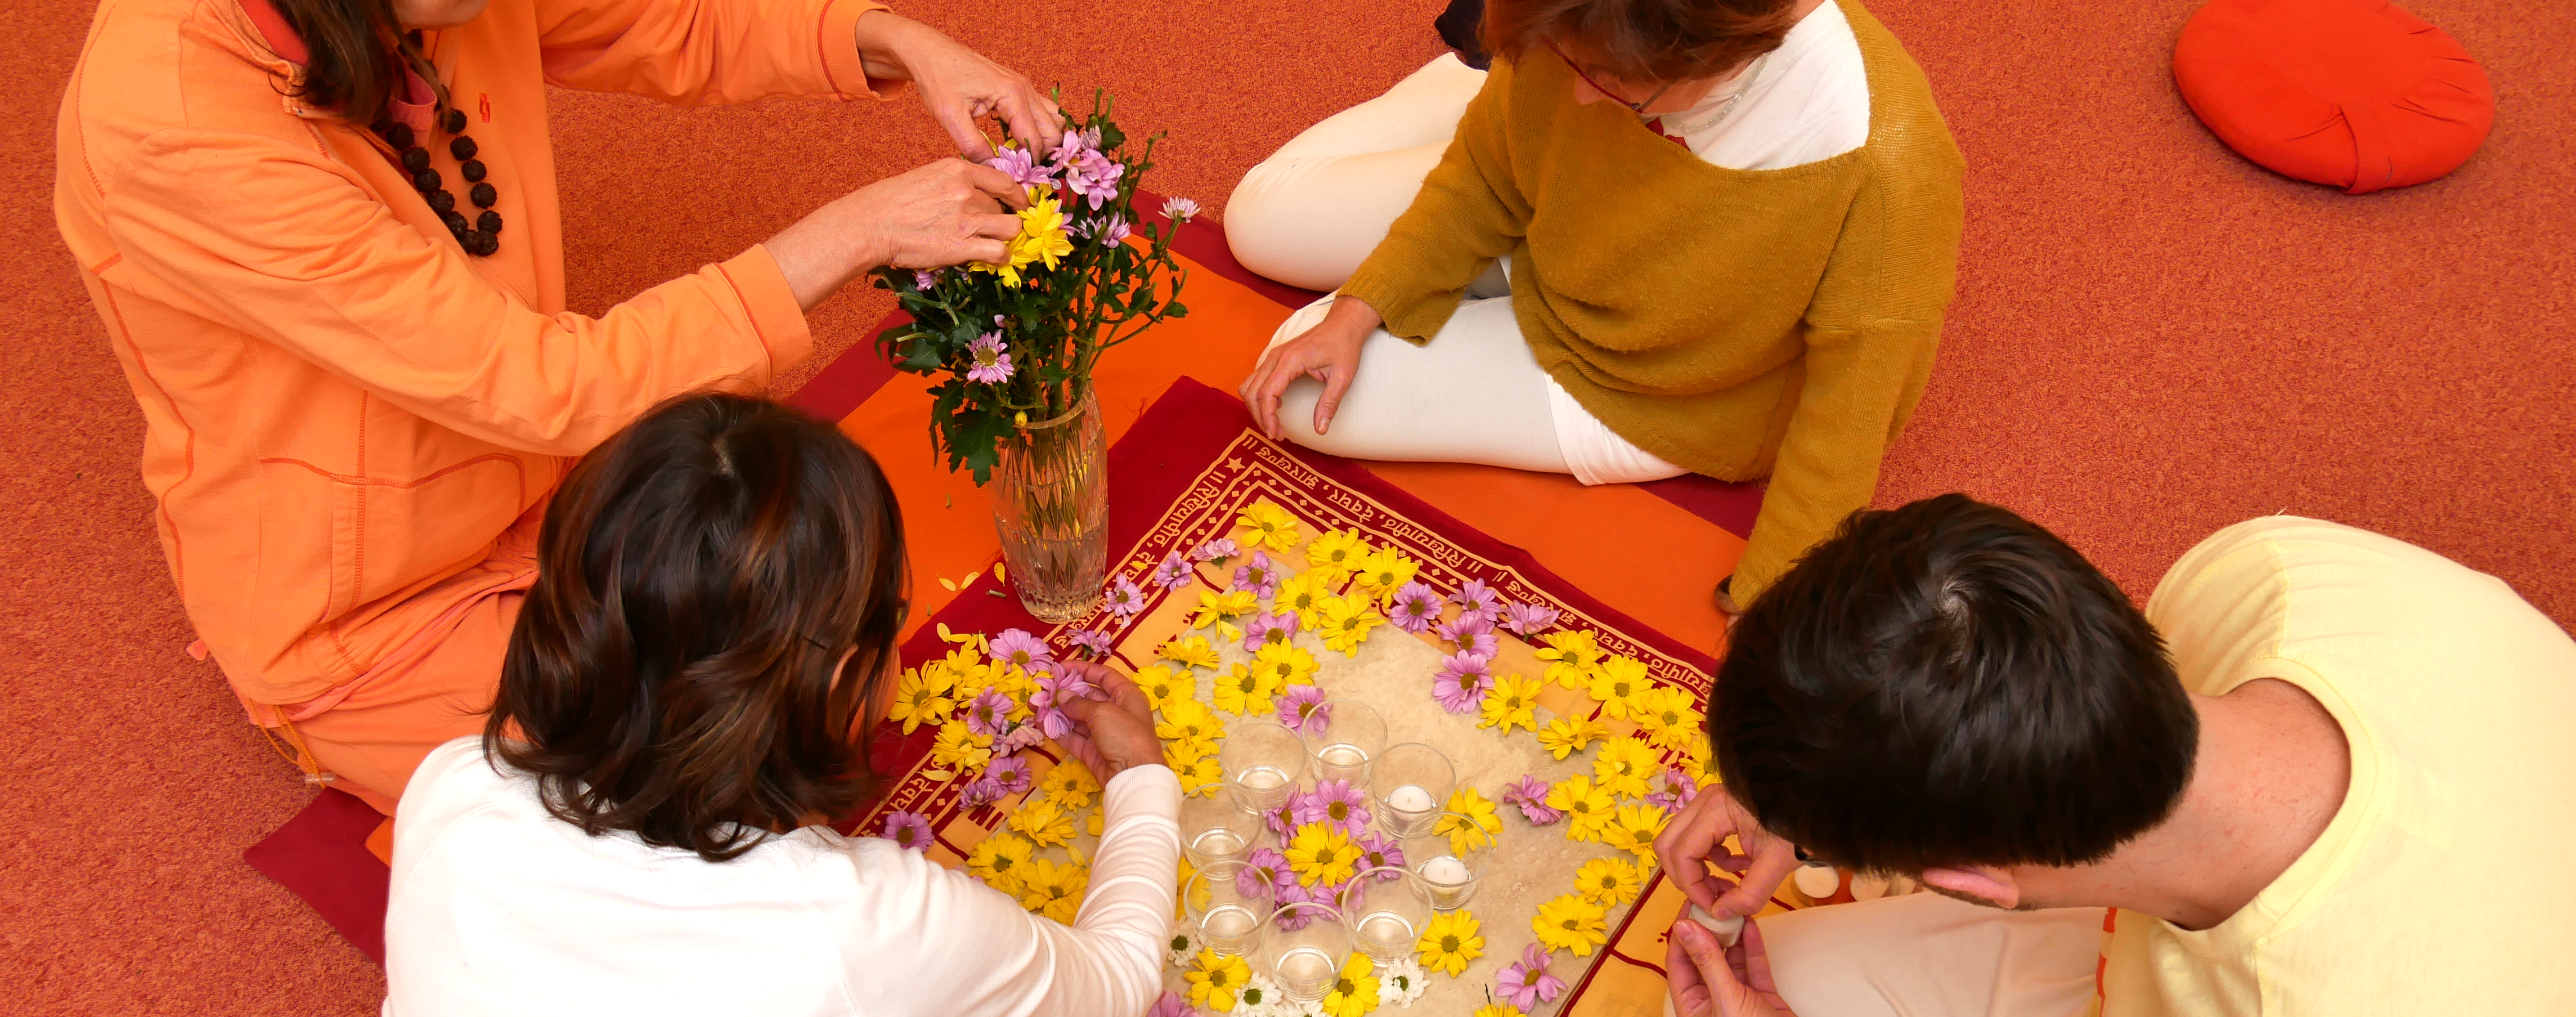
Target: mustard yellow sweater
x: 1740, y: 323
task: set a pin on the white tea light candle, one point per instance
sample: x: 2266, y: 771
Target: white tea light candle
x: 1411, y: 798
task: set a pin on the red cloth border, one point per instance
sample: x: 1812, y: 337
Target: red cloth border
x: 321, y: 855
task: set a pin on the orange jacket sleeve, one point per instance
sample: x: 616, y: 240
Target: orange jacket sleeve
x: 325, y: 270
x: 698, y: 52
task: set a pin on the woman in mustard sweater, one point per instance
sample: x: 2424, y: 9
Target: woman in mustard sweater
x: 1658, y: 237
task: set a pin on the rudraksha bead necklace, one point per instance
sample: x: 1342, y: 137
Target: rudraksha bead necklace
x: 480, y: 236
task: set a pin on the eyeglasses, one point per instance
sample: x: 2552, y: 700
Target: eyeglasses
x: 1638, y: 108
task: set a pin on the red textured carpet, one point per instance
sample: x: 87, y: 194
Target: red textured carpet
x: 2153, y: 339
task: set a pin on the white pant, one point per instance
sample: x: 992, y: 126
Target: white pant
x: 1314, y: 210
x: 1925, y: 955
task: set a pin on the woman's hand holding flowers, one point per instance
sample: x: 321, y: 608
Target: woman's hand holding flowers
x: 958, y: 84
x: 1330, y: 352
x: 1114, y: 731
x: 946, y: 213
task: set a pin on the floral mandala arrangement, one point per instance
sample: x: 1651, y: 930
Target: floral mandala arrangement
x: 991, y: 699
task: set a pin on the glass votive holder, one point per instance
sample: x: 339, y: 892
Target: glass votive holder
x: 1387, y: 909
x: 1411, y: 783
x: 1449, y: 866
x: 1215, y: 828
x: 1228, y: 921
x: 1345, y: 739
x: 1261, y: 761
x: 1303, y: 947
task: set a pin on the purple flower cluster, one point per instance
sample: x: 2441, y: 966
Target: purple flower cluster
x: 1377, y: 850
x: 1416, y: 608
x: 1123, y: 598
x: 1462, y: 682
x: 1093, y: 641
x: 1268, y: 628
x: 1477, y: 600
x: 1258, y: 574
x: 1334, y: 803
x: 1674, y: 789
x: 1087, y: 171
x: 1219, y: 550
x: 1173, y: 573
x: 1528, y: 619
x: 1048, y: 701
x: 1326, y: 894
x: 1019, y: 649
x: 1264, y: 872
x: 1302, y: 709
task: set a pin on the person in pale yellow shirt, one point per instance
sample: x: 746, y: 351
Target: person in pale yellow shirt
x: 2324, y: 772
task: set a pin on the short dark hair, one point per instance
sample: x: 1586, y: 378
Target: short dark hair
x: 675, y: 671
x: 1642, y: 40
x: 1948, y: 684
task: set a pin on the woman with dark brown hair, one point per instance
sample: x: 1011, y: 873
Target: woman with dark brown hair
x: 323, y: 236
x: 639, y: 828
x: 1658, y: 237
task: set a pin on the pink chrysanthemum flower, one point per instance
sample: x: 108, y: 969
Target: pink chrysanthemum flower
x: 1017, y: 647
x: 1010, y: 776
x: 925, y: 278
x: 908, y: 830
x: 1179, y: 210
x: 1530, y: 794
x: 1111, y: 230
x: 1173, y: 573
x: 1334, y: 803
x: 1172, y: 1004
x: 1528, y: 619
x: 989, y: 714
x: 977, y: 793
x: 1674, y: 789
x: 1092, y: 641
x: 1258, y: 575
x: 1020, y: 165
x: 1264, y: 872
x: 1478, y: 599
x: 1527, y: 983
x: 1302, y: 709
x: 1219, y: 550
x: 1474, y: 635
x: 1416, y: 609
x: 992, y: 366
x: 1462, y: 682
x: 1264, y: 629
x: 1326, y: 894
x: 1378, y: 850
x: 1021, y: 737
x: 1123, y: 598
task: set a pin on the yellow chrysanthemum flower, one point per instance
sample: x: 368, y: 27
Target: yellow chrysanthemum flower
x: 1702, y: 765
x: 1570, y: 922
x: 922, y: 699
x: 1571, y: 655
x: 1336, y: 553
x: 1624, y: 767
x: 1586, y: 807
x: 1092, y: 825
x: 1608, y: 882
x: 1292, y: 665
x: 968, y: 668
x: 1162, y: 684
x: 1182, y: 752
x: 1633, y: 828
x: 1566, y: 736
x: 1001, y: 860
x: 1221, y: 610
x: 1354, y: 994
x: 1189, y: 719
x: 960, y: 749
x: 1322, y: 855
x: 1244, y: 691
x: 1666, y: 715
x: 1498, y: 1010
x: 1191, y: 652
x: 1450, y: 941
x: 1215, y: 981
x: 1617, y: 685
x: 1305, y: 593
x: 1070, y: 784
x: 1346, y: 623
x: 1201, y: 776
x: 1382, y: 572
x: 1181, y: 877
x: 1508, y: 704
x: 1055, y: 890
x: 1041, y: 232
x: 1043, y: 822
x: 1271, y: 527
x: 1471, y: 822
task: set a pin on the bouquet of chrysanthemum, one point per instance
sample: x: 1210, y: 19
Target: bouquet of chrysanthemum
x: 1017, y: 340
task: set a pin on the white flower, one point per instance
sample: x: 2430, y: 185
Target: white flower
x: 1261, y: 998
x: 1179, y: 210
x: 1400, y: 982
x: 1181, y: 948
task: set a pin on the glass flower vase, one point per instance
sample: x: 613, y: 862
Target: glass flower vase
x: 1051, y: 507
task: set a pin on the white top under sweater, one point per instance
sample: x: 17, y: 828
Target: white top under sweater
x: 497, y: 907
x: 1808, y: 101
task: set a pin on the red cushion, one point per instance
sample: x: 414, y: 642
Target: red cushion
x: 2354, y: 93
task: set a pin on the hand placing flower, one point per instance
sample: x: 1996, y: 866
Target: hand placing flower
x: 958, y: 86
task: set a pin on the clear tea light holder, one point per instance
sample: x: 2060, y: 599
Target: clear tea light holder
x: 1303, y: 947
x: 1343, y: 735
x: 1215, y: 828
x: 1229, y: 922
x: 1411, y: 783
x: 1449, y: 866
x: 1387, y: 909
x: 1261, y: 761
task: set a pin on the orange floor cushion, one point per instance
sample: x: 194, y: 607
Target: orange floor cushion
x: 2355, y: 93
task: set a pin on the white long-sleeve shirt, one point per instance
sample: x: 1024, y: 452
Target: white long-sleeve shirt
x: 498, y: 907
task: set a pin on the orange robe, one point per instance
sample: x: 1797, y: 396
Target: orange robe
x: 352, y: 424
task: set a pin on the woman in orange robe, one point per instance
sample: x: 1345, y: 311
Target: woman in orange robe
x: 359, y: 380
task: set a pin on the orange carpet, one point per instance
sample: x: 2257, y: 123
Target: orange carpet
x: 2152, y: 339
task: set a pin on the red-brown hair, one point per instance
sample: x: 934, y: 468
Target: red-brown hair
x: 676, y: 671
x: 1641, y: 40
